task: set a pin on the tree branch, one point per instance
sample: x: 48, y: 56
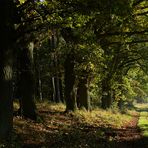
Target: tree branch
x: 138, y: 2
x: 129, y: 62
x: 143, y: 13
x: 132, y: 42
x: 22, y: 6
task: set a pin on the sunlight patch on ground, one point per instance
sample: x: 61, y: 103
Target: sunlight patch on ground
x: 143, y: 123
x: 101, y: 117
x: 59, y: 127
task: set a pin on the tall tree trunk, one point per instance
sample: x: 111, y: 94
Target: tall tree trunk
x: 38, y: 81
x: 7, y: 39
x: 6, y: 108
x: 40, y: 90
x: 70, y: 92
x: 40, y: 84
x: 56, y: 91
x: 54, y: 41
x: 61, y: 89
x: 83, y: 98
x: 120, y: 103
x: 106, y: 94
x: 27, y: 82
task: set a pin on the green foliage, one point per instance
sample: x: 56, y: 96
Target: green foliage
x: 122, y: 8
x: 98, y: 33
x: 138, y: 83
x: 100, y: 117
x: 143, y: 123
x: 143, y: 119
x: 108, y: 42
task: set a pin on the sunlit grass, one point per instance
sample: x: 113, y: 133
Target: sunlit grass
x: 99, y: 117
x: 143, y: 123
x: 96, y: 117
x: 55, y: 107
x: 57, y: 124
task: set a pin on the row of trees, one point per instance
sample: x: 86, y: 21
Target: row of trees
x: 83, y: 50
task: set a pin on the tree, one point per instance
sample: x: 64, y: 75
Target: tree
x: 25, y: 43
x: 70, y: 92
x: 27, y: 84
x: 8, y: 17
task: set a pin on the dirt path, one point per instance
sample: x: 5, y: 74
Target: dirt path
x: 130, y: 136
x: 61, y: 130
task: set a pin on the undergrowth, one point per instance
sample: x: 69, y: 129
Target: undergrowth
x: 60, y: 129
x: 143, y: 123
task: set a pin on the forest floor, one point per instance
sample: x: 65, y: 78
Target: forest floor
x: 82, y: 129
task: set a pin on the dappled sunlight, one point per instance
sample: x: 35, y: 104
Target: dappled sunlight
x: 73, y: 74
x: 104, y: 128
x: 102, y: 118
x: 143, y: 122
x: 51, y: 106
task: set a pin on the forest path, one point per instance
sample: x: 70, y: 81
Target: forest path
x: 60, y: 130
x: 130, y: 135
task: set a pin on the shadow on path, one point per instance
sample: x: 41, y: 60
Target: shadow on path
x: 62, y: 131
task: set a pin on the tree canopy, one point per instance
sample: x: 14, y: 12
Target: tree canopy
x: 76, y: 52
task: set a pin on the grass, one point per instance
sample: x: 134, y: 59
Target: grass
x: 143, y: 119
x: 99, y: 117
x: 96, y: 117
x: 69, y: 129
x: 143, y: 123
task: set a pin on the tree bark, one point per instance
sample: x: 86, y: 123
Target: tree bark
x: 6, y: 108
x: 56, y: 89
x: 40, y: 85
x: 70, y: 92
x: 120, y: 104
x: 61, y: 89
x: 106, y: 94
x: 27, y: 83
x: 6, y: 61
x: 83, y: 98
x: 38, y: 80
